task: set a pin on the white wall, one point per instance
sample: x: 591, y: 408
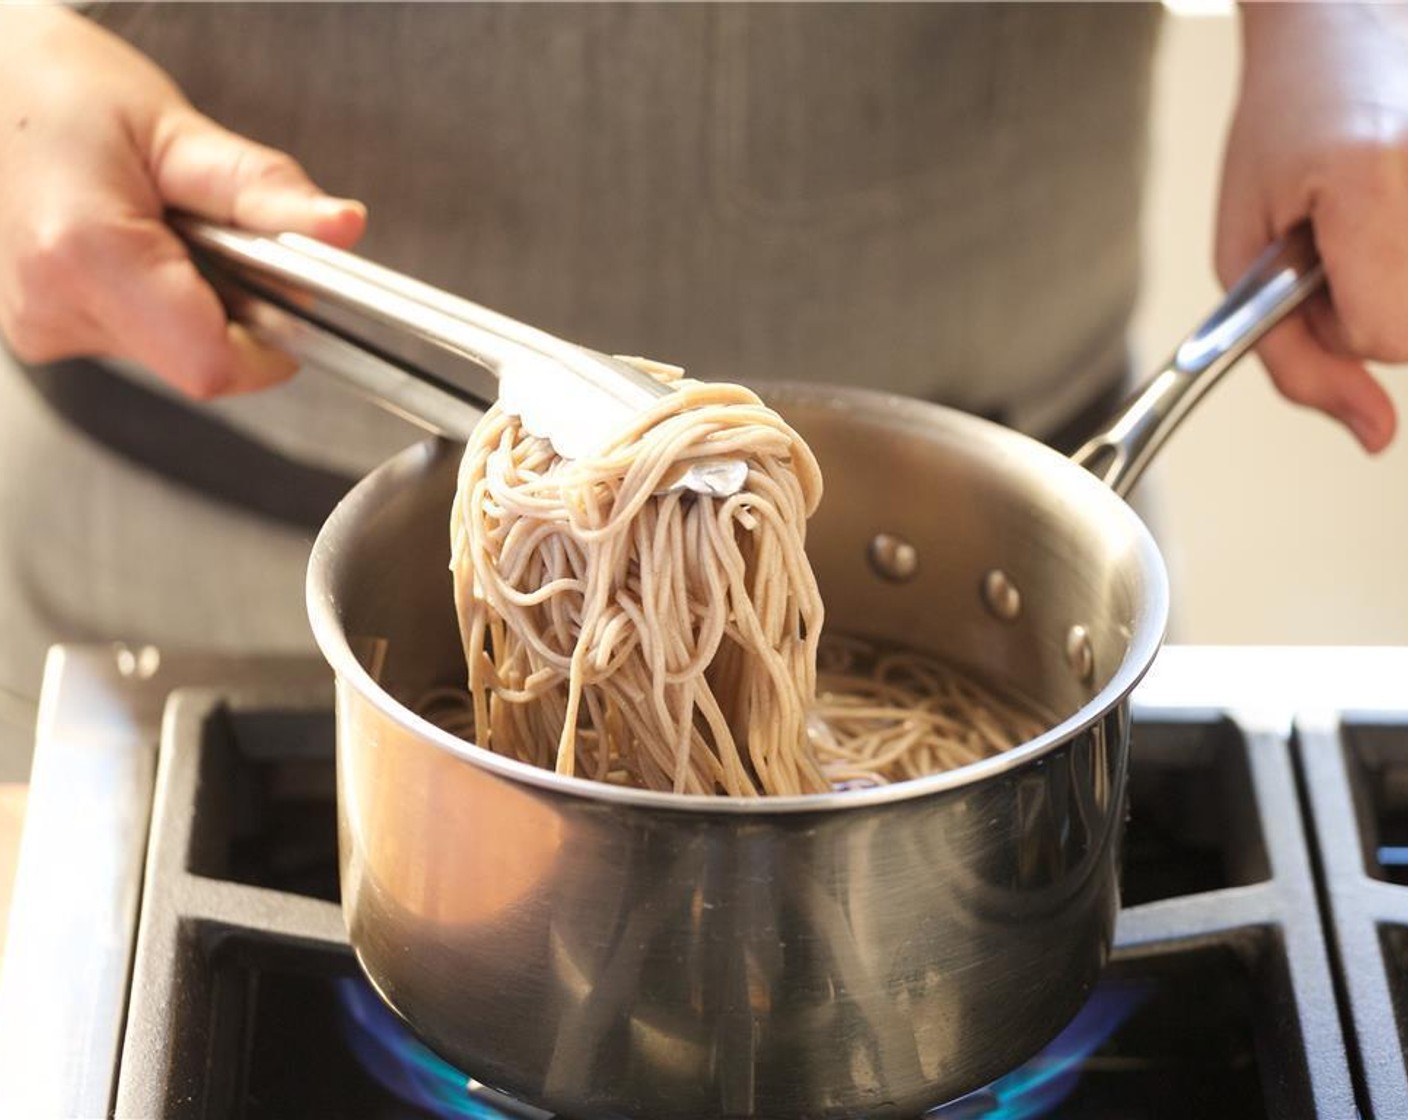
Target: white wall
x: 1276, y: 527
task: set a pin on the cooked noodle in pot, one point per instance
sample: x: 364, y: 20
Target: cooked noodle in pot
x: 671, y: 641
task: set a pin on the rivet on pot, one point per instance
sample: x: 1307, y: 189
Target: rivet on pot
x: 1001, y: 597
x: 142, y: 662
x: 893, y: 558
x: 1080, y: 654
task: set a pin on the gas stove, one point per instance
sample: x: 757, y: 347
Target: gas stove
x: 177, y: 948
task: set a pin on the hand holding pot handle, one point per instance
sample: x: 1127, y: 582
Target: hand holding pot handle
x: 1277, y: 283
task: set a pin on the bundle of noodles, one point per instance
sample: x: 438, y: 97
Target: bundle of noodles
x: 667, y: 641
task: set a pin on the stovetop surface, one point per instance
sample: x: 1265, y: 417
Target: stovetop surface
x: 1265, y: 887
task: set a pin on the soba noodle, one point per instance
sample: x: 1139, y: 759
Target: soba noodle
x: 671, y: 641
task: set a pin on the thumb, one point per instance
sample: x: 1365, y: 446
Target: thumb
x: 218, y: 174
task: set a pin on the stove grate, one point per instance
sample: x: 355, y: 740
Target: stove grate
x: 241, y: 949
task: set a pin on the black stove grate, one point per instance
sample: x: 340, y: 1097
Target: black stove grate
x: 233, y: 1012
x: 1356, y: 790
x: 226, y: 905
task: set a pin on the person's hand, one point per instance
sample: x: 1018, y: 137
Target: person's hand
x: 1321, y: 131
x: 96, y: 143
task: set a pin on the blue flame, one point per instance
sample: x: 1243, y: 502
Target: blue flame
x: 407, y: 1068
x: 1043, y: 1083
x: 403, y: 1065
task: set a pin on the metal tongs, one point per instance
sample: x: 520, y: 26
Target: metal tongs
x: 428, y: 356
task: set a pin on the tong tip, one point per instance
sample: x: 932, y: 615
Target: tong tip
x: 713, y: 478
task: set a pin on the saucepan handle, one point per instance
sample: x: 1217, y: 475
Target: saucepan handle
x: 1279, y: 281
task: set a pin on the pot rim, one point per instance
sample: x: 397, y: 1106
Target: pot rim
x: 1148, y: 625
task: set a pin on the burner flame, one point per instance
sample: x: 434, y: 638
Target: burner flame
x: 405, y: 1066
x: 410, y: 1070
x: 1035, y: 1089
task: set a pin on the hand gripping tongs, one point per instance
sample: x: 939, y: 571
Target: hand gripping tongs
x: 431, y: 357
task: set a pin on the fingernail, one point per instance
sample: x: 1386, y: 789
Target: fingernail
x: 327, y: 207
x: 259, y: 364
x: 1365, y: 428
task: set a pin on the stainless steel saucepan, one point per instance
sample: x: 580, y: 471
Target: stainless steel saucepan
x: 611, y: 953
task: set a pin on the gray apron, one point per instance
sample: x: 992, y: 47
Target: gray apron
x: 937, y: 200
